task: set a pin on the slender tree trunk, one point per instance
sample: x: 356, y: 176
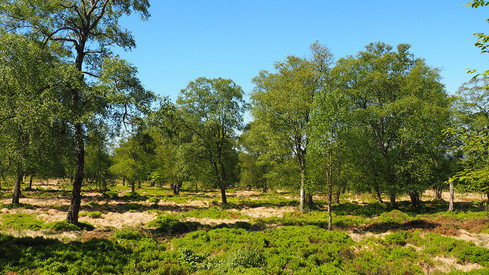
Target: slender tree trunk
x: 77, y: 184
x: 223, y: 196
x: 487, y: 204
x: 438, y: 193
x: 302, y: 191
x: 393, y: 200
x: 123, y: 181
x: 133, y: 187
x: 337, y: 196
x: 309, y: 201
x: 378, y: 194
x: 265, y: 187
x: 330, y: 198
x: 17, y: 193
x: 139, y: 184
x: 30, y: 181
x: 452, y: 196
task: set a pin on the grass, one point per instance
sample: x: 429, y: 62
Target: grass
x: 187, y: 236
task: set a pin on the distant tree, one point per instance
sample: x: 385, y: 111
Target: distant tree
x: 471, y: 136
x: 281, y: 103
x: 400, y: 109
x: 134, y: 159
x: 212, y: 110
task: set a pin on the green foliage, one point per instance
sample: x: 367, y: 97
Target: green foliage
x: 171, y: 225
x: 62, y: 226
x: 21, y: 221
x: 395, y: 216
x: 93, y: 215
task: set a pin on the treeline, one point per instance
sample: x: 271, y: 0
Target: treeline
x: 379, y: 121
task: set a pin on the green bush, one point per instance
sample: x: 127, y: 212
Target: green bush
x: 19, y: 221
x: 170, y: 225
x: 395, y: 216
x: 61, y: 226
x: 154, y: 200
x: 93, y: 215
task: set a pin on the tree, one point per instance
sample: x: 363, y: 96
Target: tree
x: 86, y: 30
x: 212, y: 110
x: 30, y: 77
x: 329, y: 126
x: 282, y: 102
x: 400, y: 109
x: 471, y: 135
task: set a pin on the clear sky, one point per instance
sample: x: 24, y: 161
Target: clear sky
x: 187, y: 39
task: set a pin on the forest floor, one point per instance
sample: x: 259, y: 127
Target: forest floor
x: 429, y: 240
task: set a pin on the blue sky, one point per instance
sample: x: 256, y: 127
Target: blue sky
x: 187, y: 39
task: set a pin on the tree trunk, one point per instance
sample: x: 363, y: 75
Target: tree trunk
x: 133, y: 187
x: 438, y: 193
x: 17, y: 192
x: 487, y: 204
x: 415, y: 200
x: 302, y: 191
x: 123, y: 181
x: 330, y: 199
x: 265, y: 187
x: 378, y: 194
x: 30, y: 181
x: 223, y: 196
x: 452, y: 196
x: 337, y: 196
x: 139, y: 184
x: 330, y: 217
x: 74, y: 209
x: 175, y: 186
x: 393, y: 200
x: 309, y: 201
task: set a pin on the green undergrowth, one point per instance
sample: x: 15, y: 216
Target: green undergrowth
x: 24, y: 221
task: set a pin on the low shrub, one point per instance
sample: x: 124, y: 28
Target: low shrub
x: 93, y: 215
x: 171, y: 225
x: 20, y: 221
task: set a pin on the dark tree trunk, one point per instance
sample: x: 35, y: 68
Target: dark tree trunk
x: 392, y: 198
x: 415, y: 200
x: 337, y: 196
x: 438, y: 193
x: 487, y: 204
x: 77, y: 184
x: 133, y: 187
x: 265, y: 187
x: 309, y: 201
x: 378, y: 194
x: 175, y: 186
x: 139, y: 184
x: 30, y: 181
x: 17, y: 193
x: 223, y: 196
x: 123, y: 181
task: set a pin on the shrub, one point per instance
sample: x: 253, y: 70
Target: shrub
x: 19, y: 221
x: 154, y: 200
x: 169, y: 224
x: 62, y: 226
x: 395, y: 216
x: 93, y: 215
